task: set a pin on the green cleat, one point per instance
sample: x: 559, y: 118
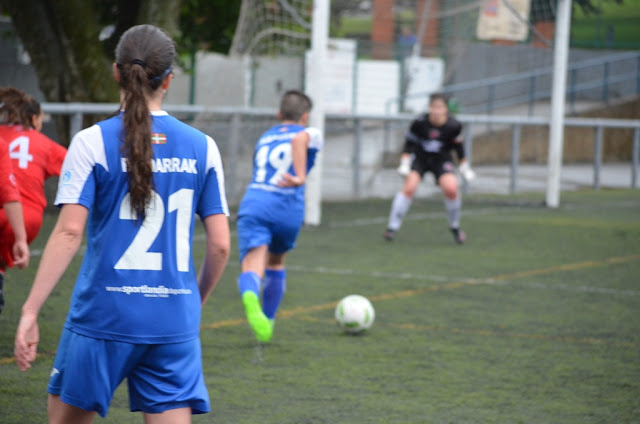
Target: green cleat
x: 260, y: 324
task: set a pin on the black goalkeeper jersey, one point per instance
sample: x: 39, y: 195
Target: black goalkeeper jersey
x: 425, y: 138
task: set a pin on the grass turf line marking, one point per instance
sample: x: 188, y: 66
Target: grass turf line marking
x: 561, y: 222
x: 467, y: 212
x: 302, y: 311
x: 440, y: 278
x: 491, y: 333
x: 413, y: 217
x: 503, y: 278
x: 375, y: 274
x: 581, y: 289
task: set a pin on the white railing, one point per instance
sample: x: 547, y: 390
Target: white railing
x: 236, y: 120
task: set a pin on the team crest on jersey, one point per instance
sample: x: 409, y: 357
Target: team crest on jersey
x: 433, y: 133
x: 490, y: 8
x: 66, y: 177
x: 158, y: 138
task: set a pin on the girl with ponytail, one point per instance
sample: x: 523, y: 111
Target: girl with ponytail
x: 136, y: 181
x: 32, y: 158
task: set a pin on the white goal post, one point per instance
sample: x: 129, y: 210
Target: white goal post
x: 270, y: 30
x: 318, y: 56
x: 559, y: 88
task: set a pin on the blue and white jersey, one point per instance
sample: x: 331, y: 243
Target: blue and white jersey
x: 137, y: 282
x: 272, y: 158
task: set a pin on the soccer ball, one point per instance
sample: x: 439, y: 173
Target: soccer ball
x: 355, y: 314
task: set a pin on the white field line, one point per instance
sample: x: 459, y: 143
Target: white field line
x: 469, y: 281
x: 444, y: 279
x: 343, y: 224
x: 422, y: 277
x: 412, y: 217
x: 581, y: 289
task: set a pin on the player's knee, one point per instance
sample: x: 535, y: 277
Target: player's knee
x: 275, y: 261
x: 411, y: 185
x: 450, y: 191
x: 409, y: 193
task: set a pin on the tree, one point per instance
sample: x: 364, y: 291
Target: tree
x: 207, y: 25
x: 63, y: 39
x: 71, y: 42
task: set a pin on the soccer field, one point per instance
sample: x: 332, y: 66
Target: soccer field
x: 536, y: 319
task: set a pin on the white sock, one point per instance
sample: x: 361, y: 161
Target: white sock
x: 399, y: 209
x: 453, y: 207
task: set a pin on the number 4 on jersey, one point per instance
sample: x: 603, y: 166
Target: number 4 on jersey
x: 19, y: 149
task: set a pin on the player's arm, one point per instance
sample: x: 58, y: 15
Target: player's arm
x: 299, y: 146
x: 10, y: 197
x: 16, y: 221
x: 409, y: 150
x: 56, y: 158
x: 411, y: 139
x: 463, y: 165
x: 217, y: 253
x: 62, y: 246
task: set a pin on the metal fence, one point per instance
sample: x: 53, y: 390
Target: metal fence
x: 599, y: 79
x: 356, y: 145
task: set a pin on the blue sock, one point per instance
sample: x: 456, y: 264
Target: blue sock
x: 275, y: 283
x: 249, y: 281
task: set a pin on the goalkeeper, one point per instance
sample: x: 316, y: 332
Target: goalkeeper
x: 429, y: 142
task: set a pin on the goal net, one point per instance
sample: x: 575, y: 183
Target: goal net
x: 273, y: 27
x: 283, y: 43
x: 471, y: 37
x: 491, y: 57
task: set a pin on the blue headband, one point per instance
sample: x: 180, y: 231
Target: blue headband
x: 167, y: 72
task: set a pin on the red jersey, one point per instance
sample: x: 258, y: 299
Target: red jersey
x: 8, y: 188
x: 35, y: 157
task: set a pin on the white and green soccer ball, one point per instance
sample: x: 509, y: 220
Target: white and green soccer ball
x: 355, y: 314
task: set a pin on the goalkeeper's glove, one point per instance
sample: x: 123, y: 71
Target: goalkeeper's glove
x: 405, y: 165
x: 466, y: 172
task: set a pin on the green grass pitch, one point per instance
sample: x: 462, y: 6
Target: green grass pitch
x: 536, y: 319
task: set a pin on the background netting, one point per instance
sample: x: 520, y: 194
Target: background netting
x: 273, y: 27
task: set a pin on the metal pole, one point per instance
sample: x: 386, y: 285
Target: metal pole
x: 532, y: 94
x: 556, y: 127
x: 355, y: 159
x: 635, y: 158
x: 76, y: 124
x: 572, y: 90
x: 597, y: 157
x: 319, y: 41
x: 422, y: 29
x: 638, y: 76
x: 468, y: 150
x: 492, y: 89
x: 515, y: 156
x: 605, y: 84
x: 234, y: 141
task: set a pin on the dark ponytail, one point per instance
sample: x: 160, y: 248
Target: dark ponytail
x: 144, y: 56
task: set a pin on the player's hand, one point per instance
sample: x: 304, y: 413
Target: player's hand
x: 405, y: 166
x: 289, y: 180
x: 27, y: 337
x: 21, y: 254
x: 467, y: 173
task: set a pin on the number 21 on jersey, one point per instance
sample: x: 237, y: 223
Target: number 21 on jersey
x: 137, y: 255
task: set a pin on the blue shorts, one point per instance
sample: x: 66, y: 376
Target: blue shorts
x: 254, y: 232
x: 160, y: 377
